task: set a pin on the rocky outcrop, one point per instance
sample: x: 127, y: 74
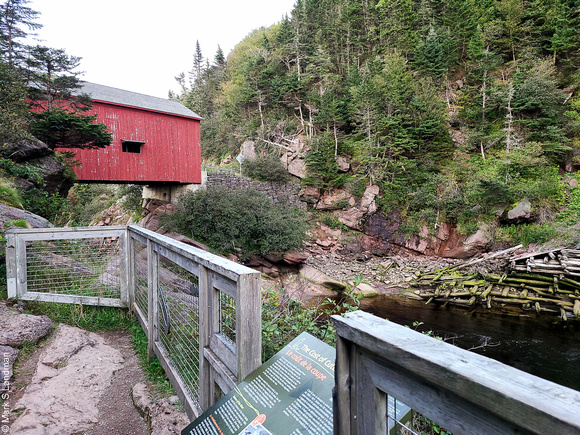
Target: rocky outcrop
x: 71, y: 376
x: 8, y: 355
x: 52, y: 171
x: 8, y: 213
x: 521, y: 212
x: 154, y: 210
x: 17, y: 329
x: 23, y: 150
x: 164, y: 416
x: 317, y: 277
x: 383, y: 233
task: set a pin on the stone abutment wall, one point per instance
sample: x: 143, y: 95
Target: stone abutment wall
x: 277, y: 192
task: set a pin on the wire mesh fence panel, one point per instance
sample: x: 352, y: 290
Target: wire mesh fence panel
x: 404, y: 421
x: 140, y: 275
x: 228, y: 317
x: 81, y: 267
x: 178, y: 320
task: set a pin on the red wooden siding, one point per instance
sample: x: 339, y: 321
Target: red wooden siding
x: 170, y: 153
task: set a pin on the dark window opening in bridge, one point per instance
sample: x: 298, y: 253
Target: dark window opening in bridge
x: 132, y: 146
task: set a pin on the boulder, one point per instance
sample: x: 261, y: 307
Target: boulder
x: 295, y: 257
x: 317, y: 277
x: 368, y: 199
x: 153, y: 219
x: 8, y: 213
x: 343, y: 165
x: 365, y: 290
x: 249, y: 150
x: 165, y: 417
x: 297, y: 167
x: 352, y: 217
x: 24, y: 149
x: 17, y: 329
x: 309, y: 195
x: 333, y: 200
x: 53, y: 173
x: 521, y: 213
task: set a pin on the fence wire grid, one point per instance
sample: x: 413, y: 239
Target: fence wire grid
x: 83, y: 267
x: 178, y: 320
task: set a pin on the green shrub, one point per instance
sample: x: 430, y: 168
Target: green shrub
x: 84, y: 202
x: 44, y: 204
x: 242, y: 221
x: 284, y: 318
x: 530, y: 233
x: 132, y: 195
x: 358, y: 187
x: 265, y: 169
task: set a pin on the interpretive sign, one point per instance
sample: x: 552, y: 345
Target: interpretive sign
x: 289, y: 394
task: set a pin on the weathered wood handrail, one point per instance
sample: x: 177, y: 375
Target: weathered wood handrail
x: 462, y: 391
x: 217, y: 361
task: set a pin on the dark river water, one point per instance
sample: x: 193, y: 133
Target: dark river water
x: 535, y: 344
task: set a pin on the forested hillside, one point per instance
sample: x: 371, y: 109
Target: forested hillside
x: 456, y: 109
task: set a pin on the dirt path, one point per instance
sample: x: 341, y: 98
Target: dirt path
x: 117, y: 414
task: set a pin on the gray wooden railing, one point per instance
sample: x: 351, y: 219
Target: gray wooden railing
x: 201, y: 312
x: 462, y: 391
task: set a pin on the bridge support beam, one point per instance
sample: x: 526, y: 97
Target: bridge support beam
x: 170, y: 193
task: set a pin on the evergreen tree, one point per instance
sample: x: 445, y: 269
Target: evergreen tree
x: 51, y: 75
x: 14, y: 17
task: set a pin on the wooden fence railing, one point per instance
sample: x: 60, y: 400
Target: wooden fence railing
x: 201, y: 312
x: 462, y: 391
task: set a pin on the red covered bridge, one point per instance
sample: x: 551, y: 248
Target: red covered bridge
x: 156, y: 141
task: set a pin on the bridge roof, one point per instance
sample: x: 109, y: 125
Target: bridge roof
x: 121, y: 97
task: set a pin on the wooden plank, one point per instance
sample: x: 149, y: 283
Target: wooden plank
x: 72, y: 235
x: 11, y: 271
x: 519, y: 398
x: 184, y: 262
x: 21, y: 264
x: 65, y: 230
x: 192, y: 408
x: 371, y: 403
x: 249, y: 324
x: 130, y: 268
x: 151, y: 299
x: 204, y: 302
x: 444, y: 408
x: 124, y: 278
x: 141, y: 317
x: 225, y: 351
x: 342, y: 390
x: 224, y: 284
x: 73, y: 299
x: 134, y: 236
x: 225, y: 379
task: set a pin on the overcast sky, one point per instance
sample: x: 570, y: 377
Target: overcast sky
x: 141, y: 45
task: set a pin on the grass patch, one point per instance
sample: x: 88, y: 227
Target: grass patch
x: 90, y: 318
x: 153, y: 369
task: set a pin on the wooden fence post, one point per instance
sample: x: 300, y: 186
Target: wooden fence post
x: 11, y: 265
x: 152, y: 297
x: 205, y: 322
x: 130, y: 268
x: 248, y: 328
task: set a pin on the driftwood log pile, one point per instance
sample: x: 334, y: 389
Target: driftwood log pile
x: 544, y: 282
